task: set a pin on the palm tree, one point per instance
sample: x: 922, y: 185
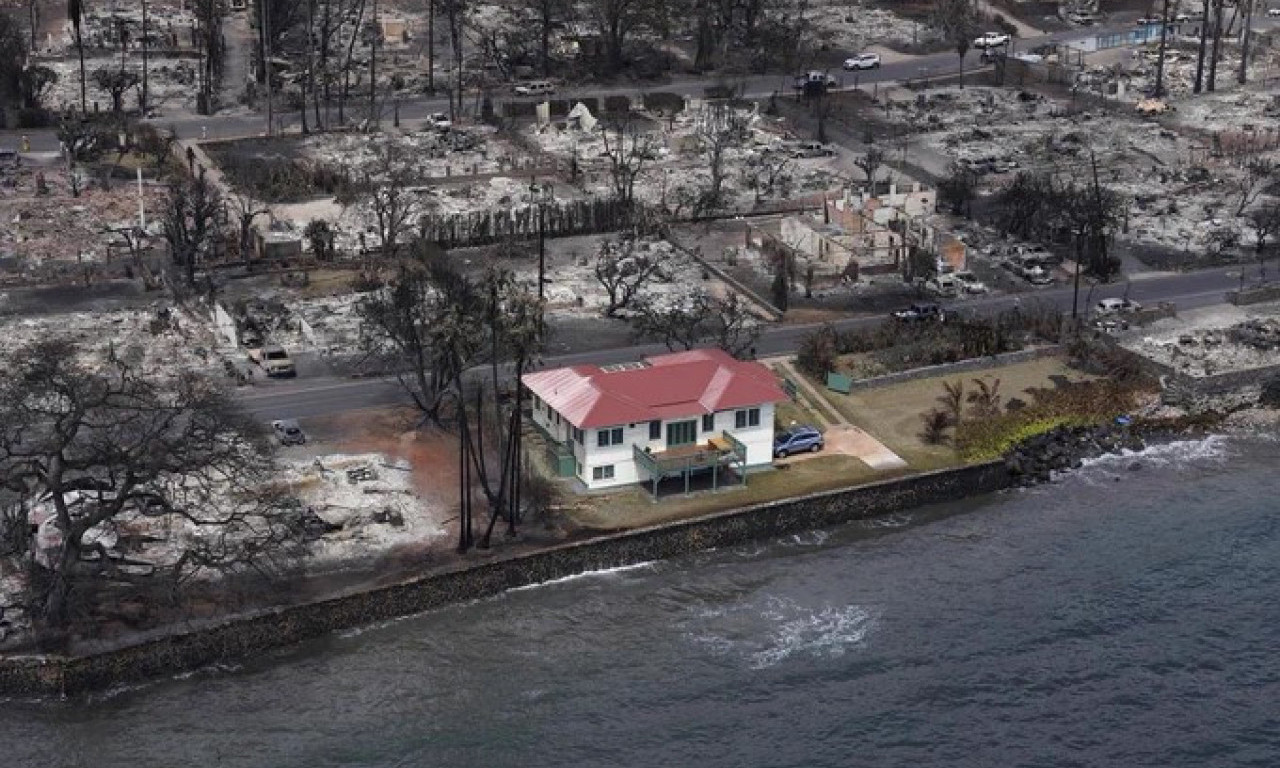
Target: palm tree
x: 75, y: 12
x: 952, y: 400
x: 986, y: 398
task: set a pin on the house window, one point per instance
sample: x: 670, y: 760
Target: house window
x: 602, y: 473
x: 682, y: 433
x: 708, y: 422
x: 746, y: 418
x: 608, y: 437
x: 577, y: 436
x: 655, y: 430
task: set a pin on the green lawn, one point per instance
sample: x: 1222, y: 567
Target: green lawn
x: 892, y: 413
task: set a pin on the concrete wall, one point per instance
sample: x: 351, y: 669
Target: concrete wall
x: 1254, y: 295
x: 251, y: 635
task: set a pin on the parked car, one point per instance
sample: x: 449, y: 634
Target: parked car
x: 816, y: 78
x: 1147, y: 21
x: 274, y: 360
x: 797, y: 440
x: 942, y: 285
x: 806, y: 149
x: 863, y: 61
x: 1273, y: 12
x: 970, y: 282
x: 439, y: 121
x: 288, y: 432
x: 1036, y: 275
x: 918, y: 312
x: 991, y: 40
x: 1117, y: 306
x: 1110, y: 324
x: 535, y: 88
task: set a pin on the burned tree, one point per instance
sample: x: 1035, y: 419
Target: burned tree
x: 628, y: 150
x: 190, y: 219
x: 383, y: 191
x: 958, y: 189
x: 698, y: 318
x: 81, y: 141
x: 95, y: 449
x: 1259, y: 174
x: 622, y: 269
x: 1266, y: 223
x: 246, y: 209
x: 768, y: 173
x: 958, y: 20
x: 870, y: 162
x: 721, y: 127
x: 401, y: 324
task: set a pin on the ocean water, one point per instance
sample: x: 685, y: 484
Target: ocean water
x: 1126, y: 615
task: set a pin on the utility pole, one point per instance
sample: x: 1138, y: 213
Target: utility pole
x: 146, y: 43
x: 1164, y: 37
x: 265, y: 6
x: 1245, y: 39
x: 431, y: 47
x: 1217, y: 46
x: 1204, y: 36
x: 373, y: 67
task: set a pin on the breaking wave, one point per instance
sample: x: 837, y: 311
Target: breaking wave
x: 1210, y: 448
x: 767, y: 636
x: 648, y: 564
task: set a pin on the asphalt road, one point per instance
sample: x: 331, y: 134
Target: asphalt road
x: 327, y: 396
x: 225, y: 126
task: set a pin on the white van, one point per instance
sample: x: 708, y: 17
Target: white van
x: 535, y: 88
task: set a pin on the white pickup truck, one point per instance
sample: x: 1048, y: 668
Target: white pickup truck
x: 274, y: 360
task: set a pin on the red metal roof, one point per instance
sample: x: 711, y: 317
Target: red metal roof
x: 683, y: 384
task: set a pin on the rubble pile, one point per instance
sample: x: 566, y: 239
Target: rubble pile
x: 171, y: 82
x: 327, y: 324
x: 356, y: 506
x: 676, y: 172
x: 164, y: 339
x: 846, y: 25
x: 1254, y: 343
x: 573, y: 289
x: 48, y: 233
x: 1183, y: 192
x: 1133, y: 80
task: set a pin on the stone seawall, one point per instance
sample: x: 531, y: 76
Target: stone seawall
x: 245, y: 636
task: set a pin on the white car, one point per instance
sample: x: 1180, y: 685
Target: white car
x: 991, y: 40
x: 535, y: 88
x: 863, y: 61
x: 970, y: 282
x: 439, y: 121
x: 1117, y: 306
x: 1273, y: 12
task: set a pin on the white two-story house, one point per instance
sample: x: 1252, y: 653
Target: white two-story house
x: 667, y: 415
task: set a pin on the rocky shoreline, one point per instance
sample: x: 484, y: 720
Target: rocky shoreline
x: 1036, y: 459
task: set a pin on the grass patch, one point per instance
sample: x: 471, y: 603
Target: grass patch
x: 891, y: 413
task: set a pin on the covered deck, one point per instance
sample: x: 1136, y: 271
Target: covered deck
x: 723, y: 455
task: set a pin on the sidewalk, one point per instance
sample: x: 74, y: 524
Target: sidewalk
x: 840, y: 436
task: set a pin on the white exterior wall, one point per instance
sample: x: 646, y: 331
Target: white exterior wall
x: 758, y: 440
